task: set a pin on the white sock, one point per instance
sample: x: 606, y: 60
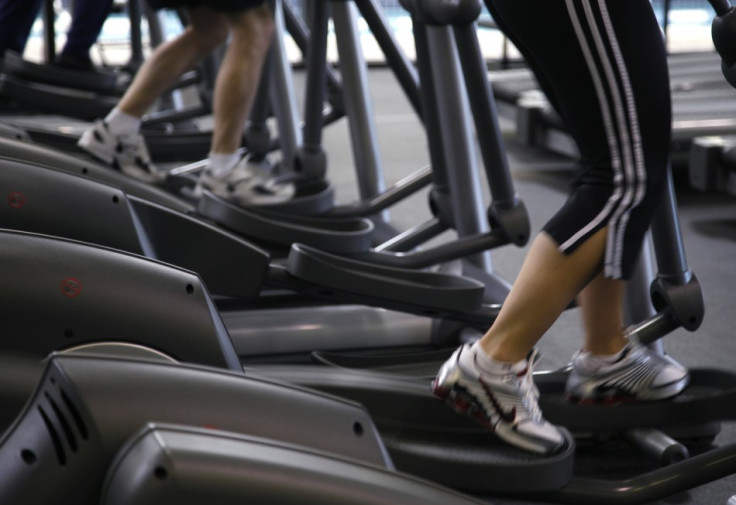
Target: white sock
x: 122, y: 124
x: 220, y: 165
x: 598, y: 361
x: 609, y: 358
x: 487, y: 364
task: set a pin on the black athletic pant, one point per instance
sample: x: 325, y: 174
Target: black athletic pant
x: 602, y: 64
x: 17, y: 18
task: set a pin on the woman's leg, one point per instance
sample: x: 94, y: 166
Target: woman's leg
x: 605, y: 65
x: 601, y: 310
x: 546, y: 285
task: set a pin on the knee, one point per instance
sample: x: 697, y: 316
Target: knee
x: 254, y: 27
x: 207, y: 39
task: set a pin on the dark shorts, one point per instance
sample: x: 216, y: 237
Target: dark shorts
x: 217, y: 5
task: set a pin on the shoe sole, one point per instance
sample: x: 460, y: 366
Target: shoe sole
x: 461, y: 402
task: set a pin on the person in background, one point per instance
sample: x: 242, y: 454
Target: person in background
x: 88, y: 18
x: 603, y: 66
x: 247, y: 26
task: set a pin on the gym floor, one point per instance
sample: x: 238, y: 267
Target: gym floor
x: 708, y: 223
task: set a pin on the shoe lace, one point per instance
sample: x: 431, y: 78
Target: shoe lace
x: 528, y: 389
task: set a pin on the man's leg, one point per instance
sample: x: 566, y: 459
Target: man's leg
x: 116, y: 140
x: 240, y: 71
x: 161, y: 71
x: 251, y: 33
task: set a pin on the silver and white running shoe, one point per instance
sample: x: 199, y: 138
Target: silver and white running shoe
x: 506, y: 402
x: 127, y: 153
x: 639, y: 373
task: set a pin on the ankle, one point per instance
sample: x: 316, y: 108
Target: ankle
x: 592, y: 361
x: 489, y: 364
x: 222, y: 164
x: 502, y: 352
x: 122, y: 124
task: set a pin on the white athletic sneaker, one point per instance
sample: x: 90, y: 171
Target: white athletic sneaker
x: 127, y: 153
x: 248, y: 184
x: 638, y: 373
x: 260, y: 183
x: 505, y: 402
x: 218, y: 185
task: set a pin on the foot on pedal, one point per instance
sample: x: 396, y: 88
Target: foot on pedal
x: 635, y: 373
x: 127, y: 153
x: 505, y: 402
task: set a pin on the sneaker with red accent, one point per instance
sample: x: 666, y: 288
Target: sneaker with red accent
x: 636, y: 373
x: 505, y: 402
